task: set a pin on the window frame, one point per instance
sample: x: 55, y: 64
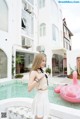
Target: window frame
x: 42, y: 29
x: 55, y: 32
x: 41, y: 3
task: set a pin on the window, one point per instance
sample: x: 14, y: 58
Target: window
x: 27, y: 23
x: 69, y: 47
x: 66, y: 45
x: 55, y: 32
x: 23, y: 21
x: 3, y: 16
x: 41, y: 3
x: 24, y: 62
x: 43, y: 29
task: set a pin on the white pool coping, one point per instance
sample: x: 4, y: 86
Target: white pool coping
x: 58, y: 111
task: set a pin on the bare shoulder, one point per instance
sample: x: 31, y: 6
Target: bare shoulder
x: 33, y: 73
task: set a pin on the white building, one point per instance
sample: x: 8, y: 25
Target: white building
x: 52, y: 40
x: 16, y: 35
x: 28, y: 26
x: 50, y: 30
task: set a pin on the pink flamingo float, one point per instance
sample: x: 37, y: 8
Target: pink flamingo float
x: 70, y: 92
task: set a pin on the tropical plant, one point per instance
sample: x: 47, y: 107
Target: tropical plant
x: 18, y: 62
x: 48, y: 70
x: 71, y: 72
x: 65, y: 68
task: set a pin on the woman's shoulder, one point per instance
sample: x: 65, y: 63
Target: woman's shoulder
x: 33, y: 72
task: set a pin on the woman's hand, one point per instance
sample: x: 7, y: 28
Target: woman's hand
x: 34, y: 78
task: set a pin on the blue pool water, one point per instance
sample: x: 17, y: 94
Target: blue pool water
x: 18, y: 89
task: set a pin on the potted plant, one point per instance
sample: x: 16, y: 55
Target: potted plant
x: 18, y: 63
x: 48, y: 70
x: 65, y: 70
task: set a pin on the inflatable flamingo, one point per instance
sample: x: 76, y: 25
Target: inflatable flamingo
x: 70, y: 92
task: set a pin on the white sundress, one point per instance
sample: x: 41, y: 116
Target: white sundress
x: 40, y: 105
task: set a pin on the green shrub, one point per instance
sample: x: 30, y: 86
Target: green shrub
x: 65, y: 68
x: 48, y: 70
x: 19, y: 76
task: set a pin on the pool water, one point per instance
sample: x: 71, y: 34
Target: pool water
x: 19, y: 89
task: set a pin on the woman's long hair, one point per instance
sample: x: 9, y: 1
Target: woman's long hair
x: 37, y: 61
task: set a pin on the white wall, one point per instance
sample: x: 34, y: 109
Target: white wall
x: 51, y: 14
x: 46, y: 15
x: 4, y: 45
x: 13, y: 33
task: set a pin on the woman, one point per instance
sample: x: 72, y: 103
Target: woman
x: 38, y: 80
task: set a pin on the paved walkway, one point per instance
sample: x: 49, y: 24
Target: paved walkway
x: 59, y: 80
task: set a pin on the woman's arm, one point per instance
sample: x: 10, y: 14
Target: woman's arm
x: 34, y: 80
x: 32, y: 83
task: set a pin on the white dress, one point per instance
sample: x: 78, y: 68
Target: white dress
x: 40, y: 105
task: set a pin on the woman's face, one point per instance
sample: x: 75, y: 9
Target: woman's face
x: 43, y: 63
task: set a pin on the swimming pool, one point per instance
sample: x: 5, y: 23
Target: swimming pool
x: 18, y: 89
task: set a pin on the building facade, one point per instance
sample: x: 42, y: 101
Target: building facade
x: 28, y: 27
x: 17, y: 30
x: 50, y: 31
x: 67, y: 34
x: 67, y: 43
x: 51, y: 35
